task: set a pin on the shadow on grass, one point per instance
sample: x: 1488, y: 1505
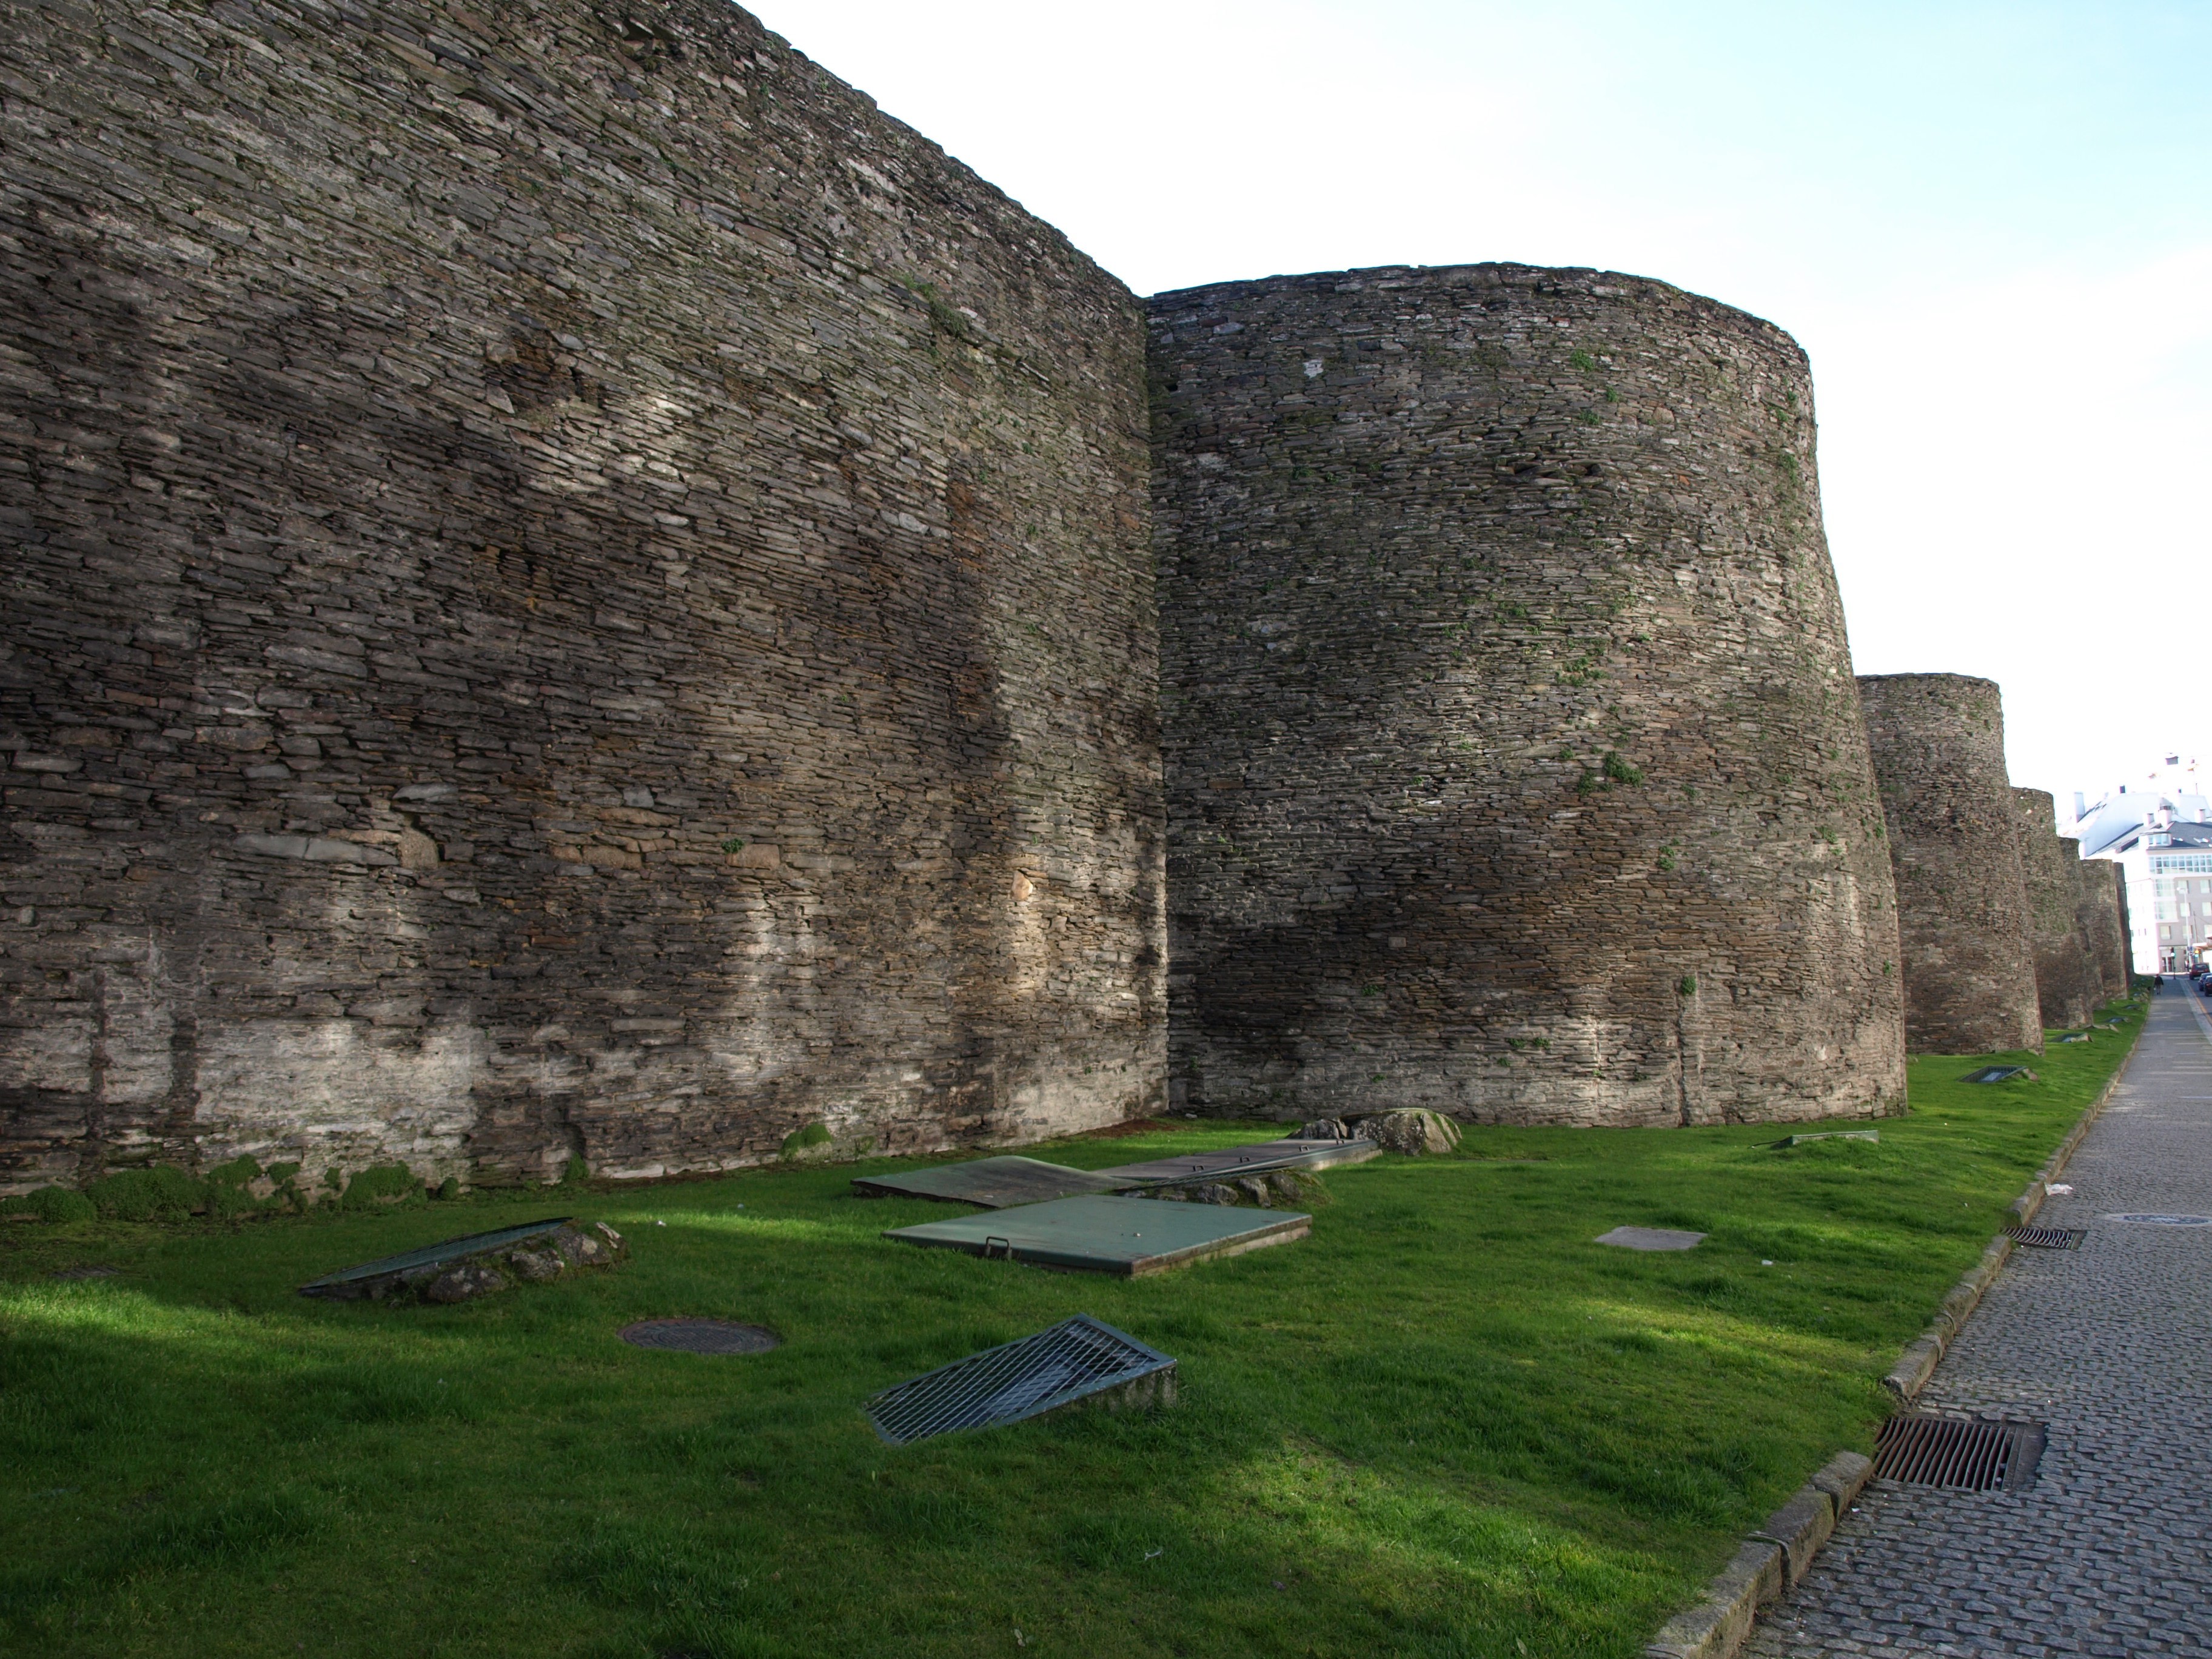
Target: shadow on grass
x: 1447, y: 1424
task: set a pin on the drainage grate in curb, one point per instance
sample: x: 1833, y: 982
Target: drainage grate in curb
x: 1980, y: 1454
x: 2048, y: 1238
x: 699, y: 1336
x: 1075, y: 1359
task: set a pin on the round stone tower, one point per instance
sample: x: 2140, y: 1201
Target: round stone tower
x: 1962, y: 899
x: 2103, y: 909
x: 2066, y: 987
x: 1515, y: 765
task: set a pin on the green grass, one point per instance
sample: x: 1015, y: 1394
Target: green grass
x: 1447, y: 1424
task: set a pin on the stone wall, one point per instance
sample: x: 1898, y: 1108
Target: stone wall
x: 1962, y: 902
x: 573, y: 589
x: 1515, y: 765
x: 2103, y: 912
x: 2067, y: 984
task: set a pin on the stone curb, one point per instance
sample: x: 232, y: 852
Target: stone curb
x: 1919, y: 1362
x: 1772, y: 1559
x: 1775, y: 1557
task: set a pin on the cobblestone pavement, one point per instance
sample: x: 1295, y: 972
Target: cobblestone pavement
x: 2111, y: 1551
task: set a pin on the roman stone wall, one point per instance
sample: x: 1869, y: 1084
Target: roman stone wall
x: 571, y: 589
x: 1515, y: 763
x: 1962, y: 901
x: 2066, y: 985
x: 2102, y: 909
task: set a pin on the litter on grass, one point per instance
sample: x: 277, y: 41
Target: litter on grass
x: 1101, y: 1234
x: 1651, y: 1238
x: 1078, y: 1359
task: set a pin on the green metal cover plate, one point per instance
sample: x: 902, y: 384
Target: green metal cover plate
x: 1100, y: 1234
x: 1258, y: 1159
x: 433, y: 1255
x: 996, y: 1183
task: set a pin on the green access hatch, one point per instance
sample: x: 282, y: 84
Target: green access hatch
x: 996, y: 1183
x: 1101, y: 1234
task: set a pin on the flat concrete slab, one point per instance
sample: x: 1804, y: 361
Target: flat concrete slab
x: 1651, y: 1238
x: 1257, y: 1158
x: 1100, y: 1234
x: 996, y: 1183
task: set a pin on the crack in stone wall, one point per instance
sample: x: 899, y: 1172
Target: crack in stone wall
x: 1515, y: 765
x: 575, y: 589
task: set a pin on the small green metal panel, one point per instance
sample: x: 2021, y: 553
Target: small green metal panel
x: 1107, y: 1234
x: 431, y: 1255
x: 996, y: 1183
x: 1258, y: 1159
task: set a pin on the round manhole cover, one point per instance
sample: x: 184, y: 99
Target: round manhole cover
x: 2168, y: 1220
x: 701, y: 1336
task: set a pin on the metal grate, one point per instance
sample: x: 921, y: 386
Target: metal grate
x: 1979, y: 1453
x: 1999, y: 1074
x: 1074, y: 1359
x: 699, y: 1336
x: 2048, y: 1238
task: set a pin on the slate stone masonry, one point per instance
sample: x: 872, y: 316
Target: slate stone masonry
x: 1938, y: 745
x: 573, y: 589
x: 2068, y: 987
x: 1514, y: 765
x: 2103, y: 913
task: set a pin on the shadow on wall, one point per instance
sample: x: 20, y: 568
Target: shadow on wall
x: 598, y: 666
x: 1515, y: 765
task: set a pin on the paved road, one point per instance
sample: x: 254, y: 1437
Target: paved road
x: 2110, y: 1551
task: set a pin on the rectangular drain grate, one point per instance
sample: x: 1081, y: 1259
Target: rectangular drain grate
x: 1981, y: 1453
x: 2048, y: 1238
x: 1077, y: 1358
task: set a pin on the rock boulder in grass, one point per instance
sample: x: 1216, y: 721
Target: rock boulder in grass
x: 511, y: 1255
x: 1413, y: 1131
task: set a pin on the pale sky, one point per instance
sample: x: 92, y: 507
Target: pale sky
x: 1990, y: 225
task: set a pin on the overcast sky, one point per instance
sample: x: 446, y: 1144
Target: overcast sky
x: 1990, y: 225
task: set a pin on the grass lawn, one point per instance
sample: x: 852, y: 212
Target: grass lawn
x: 1446, y: 1424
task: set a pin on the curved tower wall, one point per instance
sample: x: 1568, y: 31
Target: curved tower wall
x: 2067, y: 984
x: 573, y: 589
x: 1962, y: 902
x: 1515, y: 763
x: 2102, y: 886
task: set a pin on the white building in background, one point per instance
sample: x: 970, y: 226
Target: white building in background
x: 2159, y: 829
